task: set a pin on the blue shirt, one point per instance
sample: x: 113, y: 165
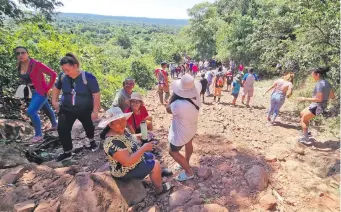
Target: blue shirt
x: 83, y: 98
x: 236, y: 87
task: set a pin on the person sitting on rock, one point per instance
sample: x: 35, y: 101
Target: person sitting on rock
x: 80, y: 100
x: 121, y: 100
x: 184, y: 106
x: 139, y: 114
x: 128, y: 160
x: 31, y: 72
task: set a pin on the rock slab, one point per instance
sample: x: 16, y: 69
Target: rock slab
x: 257, y: 178
x: 267, y: 201
x: 180, y: 197
x: 214, y: 208
x: 27, y: 206
x: 204, y: 172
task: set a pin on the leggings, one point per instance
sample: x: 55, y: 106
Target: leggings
x: 39, y: 102
x: 65, y: 123
x: 277, y: 101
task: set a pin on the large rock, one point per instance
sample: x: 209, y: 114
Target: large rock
x: 10, y: 157
x: 100, y: 192
x: 12, y: 175
x: 204, y: 172
x: 214, y: 208
x: 26, y: 206
x: 267, y: 201
x: 153, y: 208
x: 48, y: 206
x: 180, y: 197
x: 14, y: 129
x: 257, y: 178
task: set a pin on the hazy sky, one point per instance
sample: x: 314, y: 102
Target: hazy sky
x: 138, y: 8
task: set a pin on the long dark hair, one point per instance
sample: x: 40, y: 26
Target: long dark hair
x: 322, y: 71
x: 70, y: 59
x: 20, y: 47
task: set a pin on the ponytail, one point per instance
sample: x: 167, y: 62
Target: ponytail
x: 70, y: 59
x: 322, y: 71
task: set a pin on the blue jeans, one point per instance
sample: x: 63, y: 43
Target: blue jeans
x: 208, y: 88
x: 277, y: 101
x: 37, y: 103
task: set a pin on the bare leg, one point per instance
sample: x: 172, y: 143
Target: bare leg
x: 188, y: 151
x: 181, y: 160
x: 305, y: 119
x: 155, y: 176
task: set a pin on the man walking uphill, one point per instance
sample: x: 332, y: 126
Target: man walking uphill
x: 163, y: 85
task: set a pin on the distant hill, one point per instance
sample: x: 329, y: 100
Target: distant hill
x: 123, y: 19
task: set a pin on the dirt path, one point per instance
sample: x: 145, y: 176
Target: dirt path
x: 231, y: 139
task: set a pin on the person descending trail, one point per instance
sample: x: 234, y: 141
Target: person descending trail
x: 323, y: 91
x: 31, y: 73
x: 248, y: 81
x: 229, y: 79
x: 237, y: 83
x: 80, y: 100
x: 282, y: 88
x: 209, y: 76
x: 218, y: 84
x: 204, y: 84
x: 163, y: 84
x: 184, y: 106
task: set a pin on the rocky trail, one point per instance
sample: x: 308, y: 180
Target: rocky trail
x: 241, y: 164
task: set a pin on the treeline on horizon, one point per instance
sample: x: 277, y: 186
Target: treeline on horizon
x: 259, y: 33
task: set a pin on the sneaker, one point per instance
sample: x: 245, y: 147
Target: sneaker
x: 36, y: 139
x: 94, y: 146
x: 303, y: 140
x: 64, y: 156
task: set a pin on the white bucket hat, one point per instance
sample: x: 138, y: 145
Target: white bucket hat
x: 135, y: 96
x: 114, y: 113
x: 186, y: 87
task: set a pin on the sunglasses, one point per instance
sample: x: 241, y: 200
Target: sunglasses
x: 135, y: 102
x: 20, y: 53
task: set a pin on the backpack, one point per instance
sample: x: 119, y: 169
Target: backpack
x: 220, y: 81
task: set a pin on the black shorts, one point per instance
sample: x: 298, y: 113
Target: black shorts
x: 316, y: 110
x: 175, y: 148
x: 143, y: 169
x: 235, y: 95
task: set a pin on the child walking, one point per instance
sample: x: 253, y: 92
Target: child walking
x: 237, y: 83
x: 204, y: 84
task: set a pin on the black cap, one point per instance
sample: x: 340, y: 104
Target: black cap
x: 163, y: 63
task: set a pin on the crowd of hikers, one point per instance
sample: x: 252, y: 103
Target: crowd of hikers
x: 127, y: 135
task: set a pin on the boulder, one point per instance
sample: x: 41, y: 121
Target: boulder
x: 180, y: 197
x: 48, y: 206
x: 12, y: 175
x: 214, y: 208
x: 10, y: 157
x: 267, y: 201
x: 14, y: 129
x: 194, y: 208
x: 257, y: 178
x: 27, y: 206
x: 153, y: 208
x: 204, y: 172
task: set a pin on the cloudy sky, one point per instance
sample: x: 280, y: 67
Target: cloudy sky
x: 175, y: 9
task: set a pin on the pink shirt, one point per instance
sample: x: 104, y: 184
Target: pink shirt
x: 282, y: 86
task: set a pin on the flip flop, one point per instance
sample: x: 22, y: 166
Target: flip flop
x: 165, y: 187
x: 183, y: 177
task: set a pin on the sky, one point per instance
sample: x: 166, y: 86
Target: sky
x: 173, y: 9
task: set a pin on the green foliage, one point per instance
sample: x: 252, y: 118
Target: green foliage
x: 142, y: 72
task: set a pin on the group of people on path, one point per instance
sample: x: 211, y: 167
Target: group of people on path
x: 127, y: 125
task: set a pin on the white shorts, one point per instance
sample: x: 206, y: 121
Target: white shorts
x: 248, y: 92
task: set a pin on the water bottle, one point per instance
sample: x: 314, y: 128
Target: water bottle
x: 144, y: 132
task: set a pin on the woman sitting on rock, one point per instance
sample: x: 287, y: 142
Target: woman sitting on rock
x: 139, y: 114
x: 128, y: 160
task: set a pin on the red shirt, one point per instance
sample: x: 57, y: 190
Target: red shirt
x: 195, y: 68
x: 38, y: 79
x: 138, y: 118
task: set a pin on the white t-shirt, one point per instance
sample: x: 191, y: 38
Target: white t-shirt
x: 184, y: 124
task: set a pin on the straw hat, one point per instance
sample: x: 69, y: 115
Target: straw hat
x: 186, y: 87
x: 114, y: 113
x: 135, y: 96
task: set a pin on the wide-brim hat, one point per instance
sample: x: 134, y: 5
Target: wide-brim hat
x: 186, y: 87
x: 114, y: 113
x: 135, y: 96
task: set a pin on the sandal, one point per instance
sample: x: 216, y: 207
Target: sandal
x: 165, y: 187
x: 183, y: 177
x: 303, y: 140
